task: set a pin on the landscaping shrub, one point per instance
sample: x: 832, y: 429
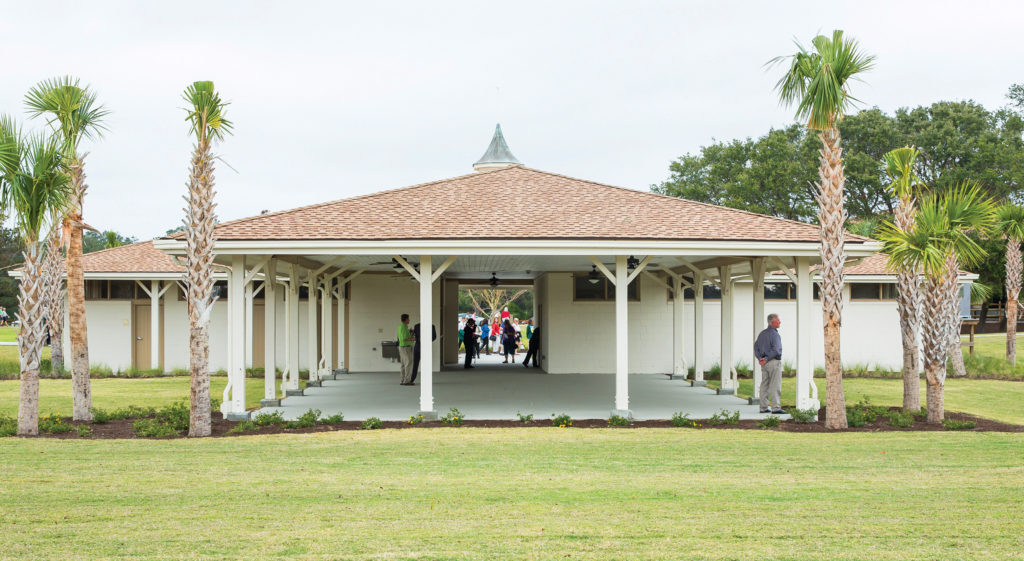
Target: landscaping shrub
x: 454, y: 417
x: 269, y: 419
x: 8, y: 426
x: 153, y: 428
x: 803, y: 415
x: 84, y: 431
x: 954, y: 424
x: 864, y: 413
x: 371, y: 424
x: 680, y: 419
x: 771, y: 421
x: 335, y: 419
x: 415, y: 419
x: 619, y: 421
x: 525, y: 418
x: 900, y: 419
x: 921, y: 414
x: 244, y: 426
x: 561, y: 421
x: 174, y: 415
x: 724, y: 417
x: 306, y: 420
x: 54, y: 424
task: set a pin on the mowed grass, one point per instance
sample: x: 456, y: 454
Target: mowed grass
x: 8, y: 334
x: 993, y: 344
x: 509, y: 494
x: 113, y: 393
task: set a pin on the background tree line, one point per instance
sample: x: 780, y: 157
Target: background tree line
x: 773, y: 174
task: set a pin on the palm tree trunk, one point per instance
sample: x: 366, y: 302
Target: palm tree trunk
x: 80, y: 387
x: 30, y: 340
x: 956, y: 354
x: 934, y: 339
x: 199, y: 279
x: 907, y: 304
x: 832, y: 216
x: 934, y: 395
x: 53, y: 277
x: 1013, y: 282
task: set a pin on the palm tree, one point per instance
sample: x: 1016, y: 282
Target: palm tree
x: 1010, y: 224
x: 53, y: 288
x: 899, y: 165
x: 36, y: 188
x: 206, y: 115
x: 111, y: 240
x: 72, y: 111
x: 817, y: 81
x: 936, y: 246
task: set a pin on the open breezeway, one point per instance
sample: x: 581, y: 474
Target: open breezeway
x: 501, y: 392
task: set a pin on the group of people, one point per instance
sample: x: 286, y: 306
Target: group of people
x: 503, y: 334
x: 4, y: 318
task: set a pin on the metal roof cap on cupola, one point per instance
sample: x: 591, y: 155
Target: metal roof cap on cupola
x: 497, y: 155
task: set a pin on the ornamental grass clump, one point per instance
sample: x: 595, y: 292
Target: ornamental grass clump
x: 525, y: 418
x: 244, y: 426
x: 900, y: 419
x: 561, y: 421
x: 954, y: 424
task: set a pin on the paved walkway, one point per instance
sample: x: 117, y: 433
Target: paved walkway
x: 494, y: 391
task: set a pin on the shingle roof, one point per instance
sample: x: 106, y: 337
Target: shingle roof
x: 876, y: 264
x: 139, y: 257
x: 517, y: 203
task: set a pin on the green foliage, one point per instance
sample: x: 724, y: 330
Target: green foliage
x: 305, y: 421
x: 680, y: 419
x: 561, y: 421
x: 954, y: 424
x: 151, y: 428
x: 863, y: 413
x: 96, y: 241
x: 725, y: 417
x: 54, y: 424
x: 371, y: 423
x: 527, y: 418
x: 70, y: 109
x: 103, y: 416
x: 619, y: 421
x: 921, y: 414
x: 454, y: 417
x: 335, y: 419
x: 900, y: 419
x: 803, y: 415
x: 269, y: 419
x: 8, y: 426
x: 206, y: 111
x: 84, y: 431
x: 415, y: 419
x: 174, y: 415
x: 36, y: 186
x: 771, y: 421
x: 244, y: 426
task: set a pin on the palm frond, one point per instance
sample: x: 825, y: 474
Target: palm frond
x: 39, y: 188
x: 1010, y: 221
x: 206, y: 111
x: 899, y: 166
x: 70, y: 109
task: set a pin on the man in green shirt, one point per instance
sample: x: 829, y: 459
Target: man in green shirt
x: 405, y: 344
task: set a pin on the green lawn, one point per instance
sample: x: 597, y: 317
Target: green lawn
x: 509, y: 494
x: 8, y: 334
x: 112, y: 393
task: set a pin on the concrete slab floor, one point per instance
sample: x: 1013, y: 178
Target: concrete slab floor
x: 501, y: 391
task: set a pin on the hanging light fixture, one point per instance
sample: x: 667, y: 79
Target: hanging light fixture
x: 632, y: 263
x: 593, y: 277
x: 396, y: 264
x: 494, y: 281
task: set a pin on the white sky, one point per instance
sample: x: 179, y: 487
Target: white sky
x: 331, y: 101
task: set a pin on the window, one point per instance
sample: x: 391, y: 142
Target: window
x: 122, y: 290
x: 711, y: 292
x: 779, y: 291
x: 96, y: 290
x: 872, y: 291
x: 602, y: 290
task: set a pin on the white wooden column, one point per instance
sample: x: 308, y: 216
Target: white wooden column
x: 621, y: 337
x: 728, y: 383
x: 340, y: 362
x: 426, y: 346
x: 270, y: 331
x: 327, y: 328
x: 698, y: 330
x: 249, y: 296
x: 757, y: 269
x: 154, y: 324
x: 806, y: 391
x: 235, y: 408
x: 678, y: 364
x: 312, y: 339
x: 292, y: 330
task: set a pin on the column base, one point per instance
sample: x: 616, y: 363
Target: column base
x: 313, y: 384
x: 239, y: 416
x: 270, y: 403
x: 292, y: 393
x: 677, y: 376
x: 337, y: 371
x: 696, y: 383
x: 429, y: 415
x: 725, y: 391
x: 624, y: 413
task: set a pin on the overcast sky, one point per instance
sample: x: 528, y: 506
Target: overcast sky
x: 339, y: 99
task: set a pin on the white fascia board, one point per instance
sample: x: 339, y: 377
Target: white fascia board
x: 517, y: 247
x: 99, y: 275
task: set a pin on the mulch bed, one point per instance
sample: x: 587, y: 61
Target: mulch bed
x: 122, y: 428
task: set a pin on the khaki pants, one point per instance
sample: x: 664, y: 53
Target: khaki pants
x: 771, y: 384
x: 405, y: 356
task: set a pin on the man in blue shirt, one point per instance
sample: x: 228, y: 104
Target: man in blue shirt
x: 768, y: 351
x: 485, y: 334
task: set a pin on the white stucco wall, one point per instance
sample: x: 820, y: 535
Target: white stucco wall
x: 377, y: 302
x: 109, y: 331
